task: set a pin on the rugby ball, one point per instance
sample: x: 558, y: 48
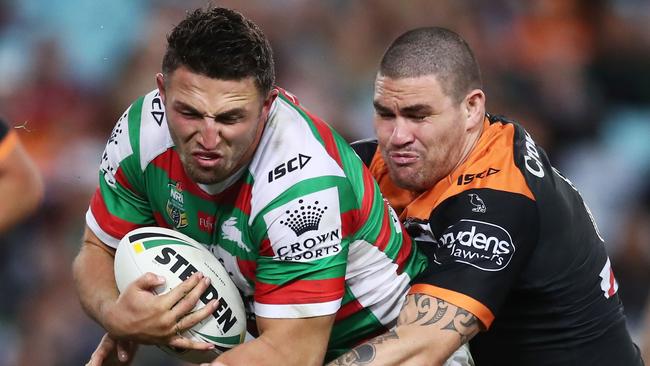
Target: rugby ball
x: 175, y: 257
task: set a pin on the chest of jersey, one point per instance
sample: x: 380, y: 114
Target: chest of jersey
x: 220, y: 221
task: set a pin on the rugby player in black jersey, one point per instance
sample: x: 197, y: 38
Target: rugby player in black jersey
x: 517, y: 266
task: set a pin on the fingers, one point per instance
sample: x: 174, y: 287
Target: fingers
x: 182, y: 342
x: 104, y: 351
x: 148, y: 281
x: 183, y: 298
x: 126, y: 351
x: 193, y: 318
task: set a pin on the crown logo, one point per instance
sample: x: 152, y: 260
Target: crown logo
x: 305, y: 218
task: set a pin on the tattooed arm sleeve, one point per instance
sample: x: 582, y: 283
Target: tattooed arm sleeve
x: 428, y: 332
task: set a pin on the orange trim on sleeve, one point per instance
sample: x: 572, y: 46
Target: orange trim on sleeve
x: 7, y: 145
x: 456, y: 298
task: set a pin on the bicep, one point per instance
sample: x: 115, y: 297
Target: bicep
x: 299, y: 342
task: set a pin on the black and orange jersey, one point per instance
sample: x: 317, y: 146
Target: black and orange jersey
x: 8, y: 140
x: 510, y: 240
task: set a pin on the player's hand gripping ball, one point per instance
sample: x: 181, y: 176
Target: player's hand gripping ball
x: 175, y: 257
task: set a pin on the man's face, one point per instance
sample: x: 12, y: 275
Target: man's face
x: 215, y: 124
x: 421, y: 130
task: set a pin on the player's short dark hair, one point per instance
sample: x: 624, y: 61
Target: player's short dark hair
x: 222, y: 44
x: 433, y: 51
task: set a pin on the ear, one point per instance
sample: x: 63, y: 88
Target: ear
x: 474, y: 109
x: 268, y: 102
x: 160, y: 81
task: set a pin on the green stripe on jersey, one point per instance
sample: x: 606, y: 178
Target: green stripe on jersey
x: 372, y: 226
x: 135, y: 122
x: 360, y: 325
x: 124, y: 204
x: 304, y: 115
x: 352, y: 166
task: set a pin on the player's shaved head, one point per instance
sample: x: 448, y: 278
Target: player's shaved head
x: 433, y: 51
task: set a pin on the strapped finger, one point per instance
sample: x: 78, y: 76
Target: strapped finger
x: 177, y: 293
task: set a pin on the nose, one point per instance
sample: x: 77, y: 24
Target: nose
x: 209, y: 134
x: 402, y: 134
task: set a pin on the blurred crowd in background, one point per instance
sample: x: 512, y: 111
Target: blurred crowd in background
x: 575, y: 73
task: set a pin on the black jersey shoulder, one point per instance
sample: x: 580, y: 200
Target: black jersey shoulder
x: 365, y: 149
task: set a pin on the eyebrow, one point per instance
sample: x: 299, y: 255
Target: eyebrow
x: 417, y: 108
x: 380, y: 108
x: 187, y: 107
x: 230, y: 113
x: 223, y: 115
x: 412, y: 109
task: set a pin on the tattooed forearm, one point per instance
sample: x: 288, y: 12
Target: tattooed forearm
x: 427, y: 311
x: 364, y: 353
x: 465, y: 324
x: 428, y: 327
x: 440, y: 311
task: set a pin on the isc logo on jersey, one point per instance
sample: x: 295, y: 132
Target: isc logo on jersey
x: 307, y: 228
x: 480, y: 244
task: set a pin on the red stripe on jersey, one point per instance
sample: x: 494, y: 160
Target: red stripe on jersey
x: 327, y: 136
x: 265, y: 248
x: 384, y: 233
x: 238, y: 195
x: 247, y: 268
x: 612, y: 283
x: 170, y: 162
x: 348, y: 309
x: 288, y: 95
x: 160, y: 220
x: 300, y: 291
x: 111, y: 224
x: 350, y: 223
x: 404, y: 252
x: 123, y: 181
x: 368, y: 192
